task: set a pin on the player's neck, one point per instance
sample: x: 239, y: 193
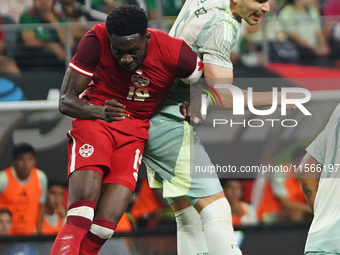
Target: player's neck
x: 233, y: 8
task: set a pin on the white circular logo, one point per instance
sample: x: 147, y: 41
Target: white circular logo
x: 86, y: 150
x: 139, y: 80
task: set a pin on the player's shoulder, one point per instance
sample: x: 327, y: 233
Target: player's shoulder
x: 99, y: 30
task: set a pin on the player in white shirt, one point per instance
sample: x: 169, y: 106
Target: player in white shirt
x: 322, y: 189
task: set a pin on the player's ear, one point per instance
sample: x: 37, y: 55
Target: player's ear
x: 148, y: 37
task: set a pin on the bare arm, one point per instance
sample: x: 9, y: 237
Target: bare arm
x: 70, y: 104
x: 217, y: 74
x: 213, y: 72
x: 309, y: 181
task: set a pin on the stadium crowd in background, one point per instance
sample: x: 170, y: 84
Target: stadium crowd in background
x: 312, y: 40
x: 7, y: 65
x: 41, y: 46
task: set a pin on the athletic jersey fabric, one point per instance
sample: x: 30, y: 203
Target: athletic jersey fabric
x: 324, y: 234
x: 167, y: 58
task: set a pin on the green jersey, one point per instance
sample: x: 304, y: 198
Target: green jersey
x: 46, y: 34
x: 211, y: 30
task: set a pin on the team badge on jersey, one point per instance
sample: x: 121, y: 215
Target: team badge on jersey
x: 86, y: 150
x: 139, y: 80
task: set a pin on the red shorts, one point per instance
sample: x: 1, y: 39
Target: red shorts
x: 95, y: 146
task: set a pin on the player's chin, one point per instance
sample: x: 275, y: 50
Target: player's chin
x: 131, y: 69
x: 252, y: 21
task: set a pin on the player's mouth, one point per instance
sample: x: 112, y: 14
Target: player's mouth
x: 256, y: 16
x: 130, y: 67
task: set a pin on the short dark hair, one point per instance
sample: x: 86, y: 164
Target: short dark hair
x: 56, y: 183
x: 5, y: 210
x: 21, y: 149
x: 127, y: 20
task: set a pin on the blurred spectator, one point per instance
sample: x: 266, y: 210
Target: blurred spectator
x: 242, y: 213
x: 23, y: 191
x: 14, y: 8
x: 331, y: 12
x: 170, y: 8
x: 283, y: 198
x: 7, y: 65
x: 5, y: 222
x: 149, y: 208
x: 303, y: 24
x: 76, y: 12
x: 42, y: 46
x: 268, y: 28
x: 54, y: 211
x: 125, y: 224
x: 107, y: 5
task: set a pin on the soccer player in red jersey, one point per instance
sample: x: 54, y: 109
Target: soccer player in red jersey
x: 122, y: 71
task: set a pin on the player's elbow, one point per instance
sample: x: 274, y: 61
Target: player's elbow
x: 63, y: 105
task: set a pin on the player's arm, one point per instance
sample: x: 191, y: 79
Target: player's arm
x: 76, y: 80
x: 308, y: 180
x: 214, y: 73
x: 70, y: 104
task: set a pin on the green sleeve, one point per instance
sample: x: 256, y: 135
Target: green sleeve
x: 286, y: 17
x: 25, y: 18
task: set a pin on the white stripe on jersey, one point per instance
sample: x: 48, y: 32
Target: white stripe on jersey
x: 79, y: 70
x: 73, y: 153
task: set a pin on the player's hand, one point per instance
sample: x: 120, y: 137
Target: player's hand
x: 185, y: 110
x: 114, y: 111
x: 192, y: 111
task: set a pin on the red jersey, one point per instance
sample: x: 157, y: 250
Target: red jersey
x: 141, y: 92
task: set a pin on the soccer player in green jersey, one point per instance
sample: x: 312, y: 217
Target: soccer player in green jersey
x: 202, y: 212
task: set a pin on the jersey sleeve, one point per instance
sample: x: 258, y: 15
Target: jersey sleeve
x: 189, y: 65
x: 217, y: 46
x: 88, y: 55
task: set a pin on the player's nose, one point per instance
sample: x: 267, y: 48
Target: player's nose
x: 126, y: 59
x: 265, y: 7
